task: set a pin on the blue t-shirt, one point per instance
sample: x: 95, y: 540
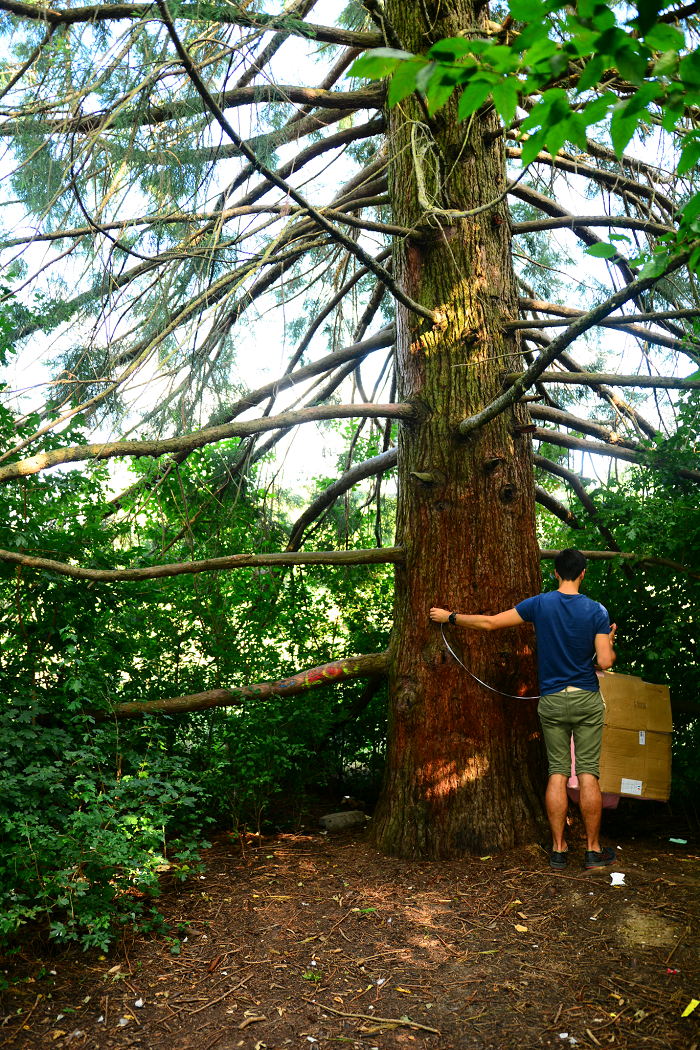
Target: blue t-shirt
x: 566, y: 626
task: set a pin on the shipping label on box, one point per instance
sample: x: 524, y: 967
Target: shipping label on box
x: 635, y: 758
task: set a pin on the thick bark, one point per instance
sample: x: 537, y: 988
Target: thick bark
x: 464, y: 770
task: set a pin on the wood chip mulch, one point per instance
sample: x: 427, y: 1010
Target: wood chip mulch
x: 320, y: 941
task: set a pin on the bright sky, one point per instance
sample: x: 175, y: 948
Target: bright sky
x: 313, y: 449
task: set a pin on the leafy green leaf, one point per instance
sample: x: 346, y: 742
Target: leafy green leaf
x: 423, y: 76
x: 667, y: 64
x: 648, y: 13
x: 689, y: 70
x: 374, y: 66
x: 601, y: 251
x: 505, y: 98
x: 591, y: 75
x: 532, y: 147
x: 663, y: 37
x: 450, y: 49
x: 689, y: 157
x: 403, y: 82
x: 475, y: 94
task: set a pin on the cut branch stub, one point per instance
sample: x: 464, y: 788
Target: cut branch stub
x: 327, y: 674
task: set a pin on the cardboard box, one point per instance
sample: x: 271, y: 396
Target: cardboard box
x: 636, y: 756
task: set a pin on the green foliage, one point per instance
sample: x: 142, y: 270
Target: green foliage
x: 550, y: 37
x: 652, y: 513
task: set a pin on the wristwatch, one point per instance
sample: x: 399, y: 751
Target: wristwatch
x: 452, y: 618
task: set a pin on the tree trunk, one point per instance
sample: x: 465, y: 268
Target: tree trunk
x: 465, y: 768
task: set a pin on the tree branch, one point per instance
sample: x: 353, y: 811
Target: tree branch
x: 555, y: 507
x: 650, y: 559
x: 377, y: 465
x: 585, y: 500
x: 327, y: 674
x: 623, y: 222
x: 576, y: 328
x: 371, y: 97
x: 372, y: 556
x: 597, y: 378
x: 222, y: 215
x: 585, y: 426
x: 552, y: 208
x: 557, y: 437
x: 604, y: 392
x: 348, y: 243
x: 196, y: 439
x: 613, y: 181
x: 228, y: 15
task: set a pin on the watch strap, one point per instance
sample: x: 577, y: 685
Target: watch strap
x: 452, y: 618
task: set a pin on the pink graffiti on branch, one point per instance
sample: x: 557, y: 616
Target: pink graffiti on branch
x: 318, y: 676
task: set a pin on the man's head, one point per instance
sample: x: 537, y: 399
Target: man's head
x: 570, y: 564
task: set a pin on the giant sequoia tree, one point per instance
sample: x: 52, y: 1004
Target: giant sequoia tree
x: 168, y: 189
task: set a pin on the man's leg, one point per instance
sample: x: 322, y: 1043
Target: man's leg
x: 557, y: 802
x: 591, y: 806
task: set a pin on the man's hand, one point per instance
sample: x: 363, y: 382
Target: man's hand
x: 439, y: 615
x: 605, y: 654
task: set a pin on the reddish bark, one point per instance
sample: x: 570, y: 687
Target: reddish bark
x: 465, y: 768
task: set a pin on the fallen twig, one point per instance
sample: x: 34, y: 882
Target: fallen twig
x: 381, y: 1020
x: 213, y: 1001
x: 678, y: 943
x: 24, y: 1021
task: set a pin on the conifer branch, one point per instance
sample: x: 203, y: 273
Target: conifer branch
x: 371, y: 556
x: 578, y: 326
x: 197, y: 439
x: 347, y: 242
x: 333, y: 673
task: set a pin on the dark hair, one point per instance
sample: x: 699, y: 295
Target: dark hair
x: 570, y: 564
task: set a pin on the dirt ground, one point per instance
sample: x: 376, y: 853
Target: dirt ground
x: 317, y: 941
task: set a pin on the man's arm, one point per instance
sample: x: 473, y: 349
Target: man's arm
x: 604, y: 653
x: 510, y: 618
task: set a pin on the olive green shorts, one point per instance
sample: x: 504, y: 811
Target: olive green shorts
x: 576, y: 711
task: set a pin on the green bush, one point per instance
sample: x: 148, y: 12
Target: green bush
x: 86, y: 817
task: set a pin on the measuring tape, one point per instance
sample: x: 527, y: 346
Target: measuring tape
x: 510, y: 696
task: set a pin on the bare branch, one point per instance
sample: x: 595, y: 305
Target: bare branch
x: 371, y: 97
x: 577, y: 327
x: 223, y: 215
x: 347, y: 242
x: 562, y: 440
x: 197, y: 439
x: 586, y: 502
x: 604, y: 392
x: 596, y: 378
x: 555, y: 507
x: 642, y: 559
x: 574, y: 222
x: 229, y: 15
x: 373, y: 556
x: 612, y: 180
x: 585, y: 426
x: 328, y: 674
x: 377, y: 465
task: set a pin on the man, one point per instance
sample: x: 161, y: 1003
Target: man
x: 570, y: 630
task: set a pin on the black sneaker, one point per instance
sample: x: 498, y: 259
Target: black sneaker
x: 557, y: 861
x: 599, y: 860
